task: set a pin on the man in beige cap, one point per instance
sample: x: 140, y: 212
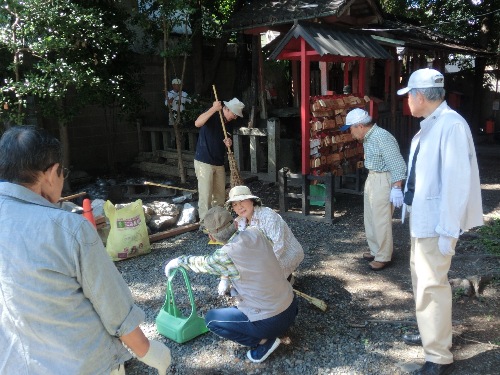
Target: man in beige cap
x: 266, y: 305
x: 443, y: 196
x: 210, y: 153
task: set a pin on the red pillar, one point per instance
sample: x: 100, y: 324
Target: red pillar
x: 305, y: 78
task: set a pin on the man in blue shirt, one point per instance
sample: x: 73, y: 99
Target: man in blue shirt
x: 210, y: 152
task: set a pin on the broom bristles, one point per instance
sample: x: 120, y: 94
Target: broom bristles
x: 315, y: 301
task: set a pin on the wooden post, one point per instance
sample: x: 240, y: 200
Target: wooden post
x: 306, y: 207
x: 283, y: 186
x: 273, y: 147
x: 262, y: 89
x: 255, y: 150
x: 238, y: 150
x: 138, y: 123
x: 329, y: 196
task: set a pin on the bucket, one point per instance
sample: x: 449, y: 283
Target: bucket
x: 171, y: 323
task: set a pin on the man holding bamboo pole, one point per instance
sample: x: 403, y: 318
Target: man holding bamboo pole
x: 210, y: 153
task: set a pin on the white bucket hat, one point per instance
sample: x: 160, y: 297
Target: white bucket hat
x: 240, y: 193
x: 356, y: 116
x: 176, y: 81
x: 235, y: 106
x: 423, y: 79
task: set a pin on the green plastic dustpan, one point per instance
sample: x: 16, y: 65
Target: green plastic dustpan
x: 171, y: 323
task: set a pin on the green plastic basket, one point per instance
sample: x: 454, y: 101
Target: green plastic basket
x: 171, y: 323
x: 317, y: 193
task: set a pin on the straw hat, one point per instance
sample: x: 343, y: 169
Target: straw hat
x: 240, y: 193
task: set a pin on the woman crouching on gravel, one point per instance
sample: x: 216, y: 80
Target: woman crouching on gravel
x: 250, y: 212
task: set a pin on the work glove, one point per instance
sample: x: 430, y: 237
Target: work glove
x: 396, y: 197
x: 174, y: 263
x: 445, y: 246
x: 224, y: 285
x: 158, y: 357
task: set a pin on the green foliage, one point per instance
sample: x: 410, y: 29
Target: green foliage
x: 65, y: 55
x: 459, y: 19
x: 489, y: 236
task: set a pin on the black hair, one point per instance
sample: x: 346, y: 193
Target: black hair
x: 25, y: 151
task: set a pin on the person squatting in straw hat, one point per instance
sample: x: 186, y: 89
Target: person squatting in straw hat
x: 382, y: 191
x: 266, y: 305
x: 250, y: 212
x: 443, y: 196
x: 210, y: 153
x: 64, y: 307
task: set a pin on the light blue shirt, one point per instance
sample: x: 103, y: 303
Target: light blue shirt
x: 63, y: 303
x: 382, y: 153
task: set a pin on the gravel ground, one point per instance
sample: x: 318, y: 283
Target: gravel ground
x: 360, y: 333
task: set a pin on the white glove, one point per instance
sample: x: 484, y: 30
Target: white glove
x: 174, y: 263
x: 396, y: 197
x: 158, y: 357
x: 224, y: 285
x: 445, y: 246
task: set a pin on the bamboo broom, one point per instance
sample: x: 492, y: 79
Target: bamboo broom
x: 235, y: 178
x: 315, y: 301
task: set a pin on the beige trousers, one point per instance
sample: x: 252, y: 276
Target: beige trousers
x: 119, y: 371
x: 432, y: 293
x: 378, y: 212
x: 211, y: 186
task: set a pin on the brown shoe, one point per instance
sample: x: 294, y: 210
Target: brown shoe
x: 368, y: 256
x: 377, y: 266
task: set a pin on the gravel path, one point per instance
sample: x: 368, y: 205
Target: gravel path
x: 367, y: 311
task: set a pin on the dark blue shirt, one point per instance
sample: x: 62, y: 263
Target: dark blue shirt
x: 210, y: 148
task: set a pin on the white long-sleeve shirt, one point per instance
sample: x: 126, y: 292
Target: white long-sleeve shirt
x: 447, y: 196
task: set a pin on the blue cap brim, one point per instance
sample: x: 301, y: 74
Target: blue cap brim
x: 344, y: 128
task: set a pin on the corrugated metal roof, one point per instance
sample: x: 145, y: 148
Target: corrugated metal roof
x: 327, y: 40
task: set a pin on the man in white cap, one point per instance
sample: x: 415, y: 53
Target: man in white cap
x: 382, y: 192
x: 266, y: 305
x: 443, y: 196
x: 210, y: 153
x: 176, y: 100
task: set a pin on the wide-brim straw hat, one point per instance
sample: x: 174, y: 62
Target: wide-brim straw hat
x: 240, y: 193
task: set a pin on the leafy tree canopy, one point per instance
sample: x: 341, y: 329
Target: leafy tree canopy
x: 50, y: 49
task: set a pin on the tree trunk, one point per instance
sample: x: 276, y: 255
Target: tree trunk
x: 64, y: 139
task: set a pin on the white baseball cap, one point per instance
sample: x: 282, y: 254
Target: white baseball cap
x: 356, y: 116
x: 235, y: 106
x: 422, y: 79
x: 176, y: 81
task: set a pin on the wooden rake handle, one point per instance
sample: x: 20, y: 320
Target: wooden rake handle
x: 221, y: 117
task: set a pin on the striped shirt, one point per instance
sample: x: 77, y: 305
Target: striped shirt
x: 218, y: 263
x: 382, y: 153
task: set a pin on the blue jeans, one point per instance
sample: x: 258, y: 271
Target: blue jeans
x: 232, y: 324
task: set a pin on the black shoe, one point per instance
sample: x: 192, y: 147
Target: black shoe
x: 410, y: 339
x: 430, y: 368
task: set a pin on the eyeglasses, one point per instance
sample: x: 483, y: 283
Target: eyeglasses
x: 65, y: 171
